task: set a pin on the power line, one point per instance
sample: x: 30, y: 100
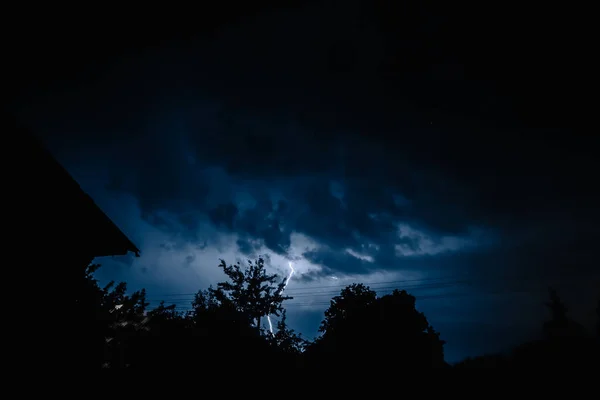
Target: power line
x: 341, y: 285
x: 306, y: 293
x: 311, y: 291
x: 320, y: 303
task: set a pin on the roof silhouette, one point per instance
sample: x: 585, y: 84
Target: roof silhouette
x: 57, y: 208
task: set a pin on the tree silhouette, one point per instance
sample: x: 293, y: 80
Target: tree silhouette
x: 353, y: 299
x: 107, y: 319
x: 565, y: 342
x: 285, y: 339
x: 560, y: 325
x: 224, y: 321
x: 114, y: 329
x: 557, y: 307
x: 360, y: 327
x: 251, y: 291
x: 168, y: 340
x: 216, y: 314
x: 484, y: 361
x: 125, y: 315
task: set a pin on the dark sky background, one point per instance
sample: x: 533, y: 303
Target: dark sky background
x: 447, y: 151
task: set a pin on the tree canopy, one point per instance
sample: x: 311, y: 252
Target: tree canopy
x: 116, y: 329
x: 360, y: 327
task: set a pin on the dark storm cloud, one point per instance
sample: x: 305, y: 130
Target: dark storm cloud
x: 224, y: 215
x: 265, y: 221
x: 346, y: 126
x: 516, y: 174
x: 248, y: 247
x: 338, y: 261
x: 189, y: 259
x: 308, y: 204
x: 292, y: 104
x: 343, y: 192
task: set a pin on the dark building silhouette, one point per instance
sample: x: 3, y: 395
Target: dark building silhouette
x: 57, y: 230
x: 55, y: 205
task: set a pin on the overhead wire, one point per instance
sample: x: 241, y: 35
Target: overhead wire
x: 184, y: 299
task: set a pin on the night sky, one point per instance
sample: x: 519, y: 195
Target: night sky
x: 449, y: 152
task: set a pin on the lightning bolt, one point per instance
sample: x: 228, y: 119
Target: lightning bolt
x: 284, y: 286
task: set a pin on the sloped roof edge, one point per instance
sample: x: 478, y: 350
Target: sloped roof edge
x: 117, y: 243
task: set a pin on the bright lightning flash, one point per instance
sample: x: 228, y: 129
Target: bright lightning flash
x: 284, y: 286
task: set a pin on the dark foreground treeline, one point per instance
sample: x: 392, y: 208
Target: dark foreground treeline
x: 116, y: 330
